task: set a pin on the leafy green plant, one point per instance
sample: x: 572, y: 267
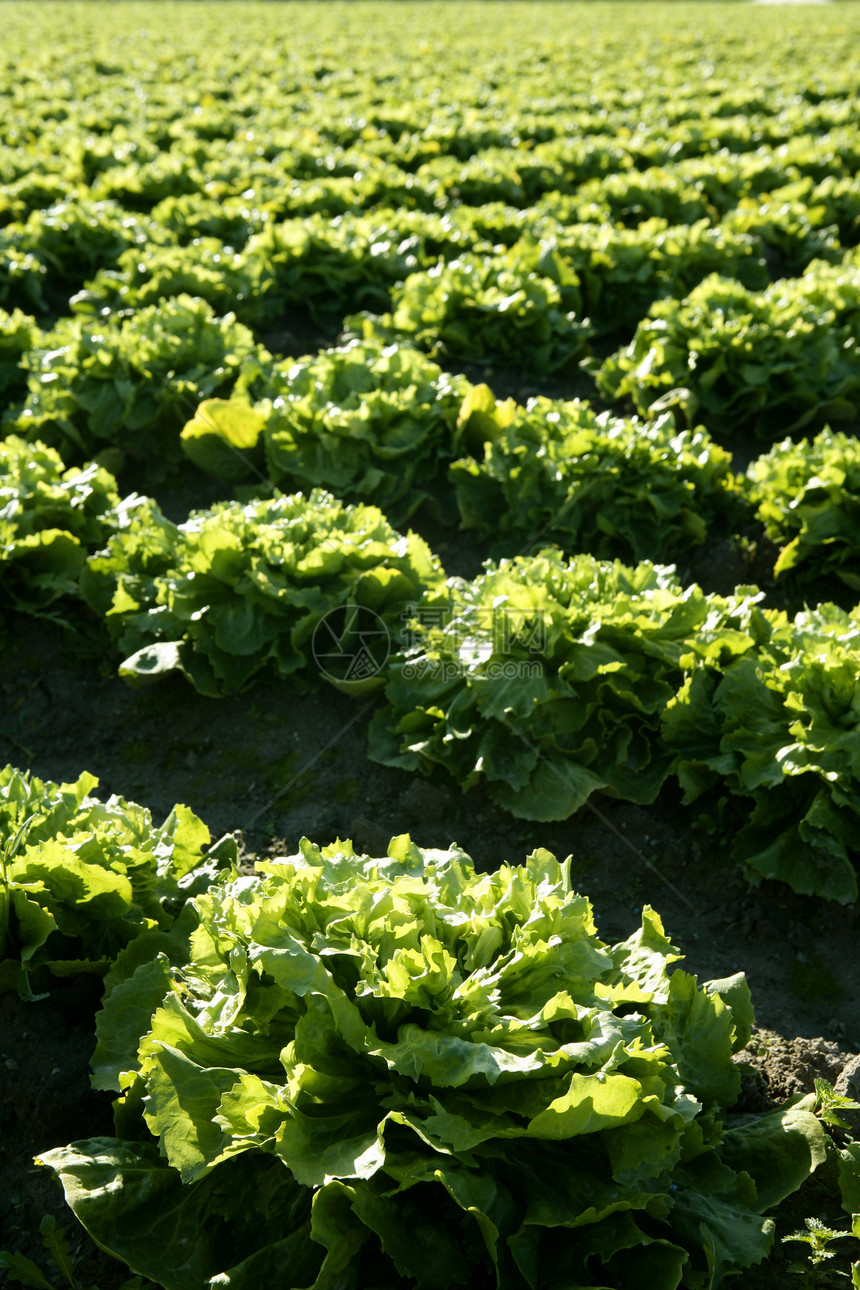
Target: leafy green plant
x: 55, y: 1242
x: 771, y: 360
x: 622, y: 271
x: 370, y: 422
x: 808, y: 498
x: 49, y: 518
x: 487, y: 309
x: 75, y: 238
x: 546, y: 678
x: 239, y: 589
x: 492, y: 176
x: 837, y: 198
x: 777, y: 725
x: 128, y: 383
x: 80, y: 878
x: 559, y: 472
x: 328, y: 266
x: 725, y: 177
x: 427, y: 1077
x: 633, y: 196
x: 818, y: 1236
x: 828, y: 1104
x: 144, y: 276
x: 28, y: 190
x: 849, y: 1188
x: 791, y: 228
x: 144, y: 180
x: 9, y: 848
x: 18, y: 335
x: 232, y: 220
x: 23, y: 275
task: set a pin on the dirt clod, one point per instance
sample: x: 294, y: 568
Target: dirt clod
x: 786, y: 1067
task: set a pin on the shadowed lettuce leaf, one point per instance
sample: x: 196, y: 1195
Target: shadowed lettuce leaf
x: 779, y: 726
x: 397, y: 1072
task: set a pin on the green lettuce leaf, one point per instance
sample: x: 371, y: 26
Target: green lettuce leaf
x: 438, y: 1078
x: 50, y: 517
x: 81, y: 878
x: 547, y: 678
x: 278, y: 585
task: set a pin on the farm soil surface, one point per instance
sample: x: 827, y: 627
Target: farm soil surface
x: 289, y: 759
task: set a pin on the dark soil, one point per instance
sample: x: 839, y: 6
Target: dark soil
x: 46, y: 1101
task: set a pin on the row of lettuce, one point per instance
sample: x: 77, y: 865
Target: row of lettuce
x: 687, y: 170
x: 654, y: 232
x: 760, y: 363
x: 499, y: 229
x: 486, y: 284
x: 507, y: 227
x: 383, y: 424
x: 428, y: 1076
x: 424, y: 1076
x: 331, y: 142
x: 548, y: 677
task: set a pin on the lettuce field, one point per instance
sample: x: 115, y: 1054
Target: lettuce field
x: 430, y: 624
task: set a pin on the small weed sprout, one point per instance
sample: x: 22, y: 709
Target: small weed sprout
x: 818, y: 1237
x: 828, y: 1104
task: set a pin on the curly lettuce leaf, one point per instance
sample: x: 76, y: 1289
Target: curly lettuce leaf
x: 438, y: 1077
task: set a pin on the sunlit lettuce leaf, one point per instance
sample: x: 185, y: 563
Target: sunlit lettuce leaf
x: 82, y: 877
x: 447, y: 1072
x: 50, y: 517
x: 221, y: 438
x: 239, y: 590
